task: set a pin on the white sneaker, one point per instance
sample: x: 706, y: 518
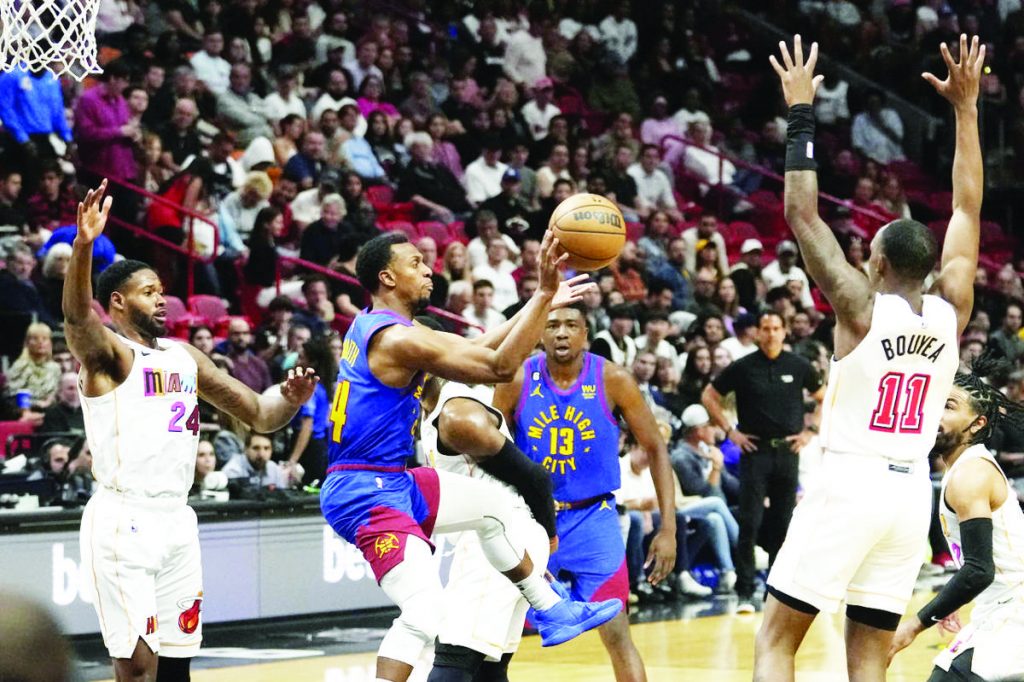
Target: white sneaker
x: 689, y: 586
x: 760, y: 559
x: 727, y: 581
x: 745, y: 606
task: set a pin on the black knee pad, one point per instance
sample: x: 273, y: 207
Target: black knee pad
x: 875, y: 618
x: 455, y: 657
x: 173, y: 669
x: 792, y: 602
x: 494, y: 671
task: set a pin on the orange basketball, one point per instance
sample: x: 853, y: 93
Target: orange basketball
x: 591, y: 228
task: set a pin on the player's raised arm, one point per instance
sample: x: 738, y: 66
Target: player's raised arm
x: 458, y: 359
x: 960, y: 248
x: 263, y: 413
x: 625, y: 394
x: 95, y: 346
x: 845, y: 288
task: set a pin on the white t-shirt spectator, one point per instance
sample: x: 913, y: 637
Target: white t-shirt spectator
x: 327, y: 102
x: 684, y: 117
x: 619, y: 37
x: 505, y: 291
x: 664, y: 349
x: 277, y: 108
x: 546, y: 180
x: 539, y: 119
x: 691, y: 236
x: 483, y: 181
x: 774, y: 277
x: 830, y: 104
x: 736, y: 349
x: 525, y: 59
x: 654, y: 190
x: 214, y: 71
x: 867, y: 138
x: 476, y: 250
x: 306, y: 206
x: 359, y: 73
x: 489, y: 320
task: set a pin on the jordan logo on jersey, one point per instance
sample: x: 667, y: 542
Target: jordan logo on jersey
x: 158, y: 382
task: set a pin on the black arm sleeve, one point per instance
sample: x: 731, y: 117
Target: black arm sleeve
x: 977, y: 573
x: 529, y: 479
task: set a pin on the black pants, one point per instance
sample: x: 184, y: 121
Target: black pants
x: 770, y: 471
x: 959, y: 671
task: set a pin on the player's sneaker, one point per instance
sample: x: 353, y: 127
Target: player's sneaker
x: 568, y: 619
x: 746, y: 605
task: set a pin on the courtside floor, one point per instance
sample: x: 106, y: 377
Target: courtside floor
x: 700, y: 640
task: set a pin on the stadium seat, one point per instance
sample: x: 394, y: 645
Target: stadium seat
x: 8, y: 429
x: 380, y: 196
x: 403, y: 226
x: 179, y: 319
x: 457, y: 232
x: 437, y: 231
x: 634, y: 231
x: 210, y: 310
x: 737, y: 232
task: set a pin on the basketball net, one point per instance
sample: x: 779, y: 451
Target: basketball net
x: 56, y: 35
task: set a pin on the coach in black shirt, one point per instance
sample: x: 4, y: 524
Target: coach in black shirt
x: 769, y: 385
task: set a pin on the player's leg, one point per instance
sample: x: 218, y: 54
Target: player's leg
x: 415, y: 587
x: 179, y: 596
x: 494, y: 671
x: 454, y: 663
x: 141, y: 666
x: 869, y: 634
x: 754, y: 468
x: 785, y: 624
x: 626, y: 661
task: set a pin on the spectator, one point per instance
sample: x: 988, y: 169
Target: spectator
x: 349, y: 297
x: 420, y: 104
x: 659, y: 126
x: 539, y: 111
x: 654, y: 189
x: 285, y: 100
x: 359, y: 156
x: 54, y: 204
x: 621, y: 186
x: 892, y: 198
x: 486, y: 224
x: 728, y: 302
x: 321, y: 239
x: 365, y: 63
x: 525, y: 59
x: 484, y: 175
x: 615, y: 92
x: 286, y: 145
x: 705, y: 282
x: 656, y: 240
x: 12, y: 208
x: 746, y: 273
x: 247, y: 367
x: 51, y: 284
x: 103, y: 252
x: 298, y: 47
x: 444, y: 153
x: 370, y: 94
x: 428, y: 249
x: 557, y: 168
x: 210, y: 68
x: 335, y: 96
x: 706, y: 229
x: 482, y: 311
x: 644, y: 367
x: 654, y: 339
x: 65, y: 414
x: 619, y: 34
x: 877, y: 132
x: 1006, y: 340
x: 332, y: 37
x: 318, y: 311
x: 435, y: 191
x: 621, y: 133
x: 699, y: 465
x: 34, y: 371
x: 383, y: 144
x: 261, y: 266
x: 305, y: 167
x: 20, y: 293
x: 310, y: 424
x: 306, y: 206
x: 510, y: 207
x: 784, y: 269
x: 497, y: 270
x: 830, y: 105
x: 33, y: 110
x: 616, y: 343
x: 286, y: 357
x: 104, y: 131
x: 206, y: 475
x: 526, y: 287
x: 705, y: 161
x: 240, y: 109
x: 460, y: 296
x: 456, y: 265
x: 255, y: 469
x: 359, y: 212
x: 628, y: 273
x: 238, y: 211
x: 179, y: 136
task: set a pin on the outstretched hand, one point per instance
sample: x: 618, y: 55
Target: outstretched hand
x: 798, y: 80
x: 964, y: 80
x: 552, y: 255
x: 572, y: 291
x: 92, y: 214
x: 299, y: 386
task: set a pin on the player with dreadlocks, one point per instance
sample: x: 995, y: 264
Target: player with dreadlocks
x: 984, y: 526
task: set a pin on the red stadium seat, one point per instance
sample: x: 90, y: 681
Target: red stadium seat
x: 737, y: 232
x: 209, y: 309
x: 403, y: 226
x: 179, y: 319
x: 437, y: 231
x: 380, y: 196
x: 634, y: 231
x: 12, y: 428
x: 457, y: 232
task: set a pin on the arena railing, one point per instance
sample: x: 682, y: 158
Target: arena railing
x: 188, y: 227
x: 348, y: 279
x: 762, y: 170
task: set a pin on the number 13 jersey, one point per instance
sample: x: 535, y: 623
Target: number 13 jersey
x: 886, y: 397
x: 144, y: 434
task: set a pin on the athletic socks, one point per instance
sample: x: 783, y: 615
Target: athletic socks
x: 537, y: 590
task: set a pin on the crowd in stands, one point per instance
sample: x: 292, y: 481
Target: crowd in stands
x: 262, y: 131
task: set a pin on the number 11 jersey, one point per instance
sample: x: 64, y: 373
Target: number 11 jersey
x: 144, y: 434
x: 885, y: 398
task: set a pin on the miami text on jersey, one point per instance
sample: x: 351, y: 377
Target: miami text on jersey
x: 157, y: 382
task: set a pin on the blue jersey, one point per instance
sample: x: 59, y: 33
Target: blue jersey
x: 317, y: 408
x: 371, y: 424
x: 571, y: 433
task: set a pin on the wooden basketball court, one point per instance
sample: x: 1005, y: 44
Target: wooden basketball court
x: 715, y: 648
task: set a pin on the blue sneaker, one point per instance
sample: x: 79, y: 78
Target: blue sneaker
x: 568, y: 619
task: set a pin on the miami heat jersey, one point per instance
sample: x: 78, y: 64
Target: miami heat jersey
x: 144, y: 434
x: 371, y: 423
x: 571, y: 433
x: 1007, y: 540
x: 886, y: 397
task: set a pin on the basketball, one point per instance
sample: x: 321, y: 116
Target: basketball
x: 591, y: 228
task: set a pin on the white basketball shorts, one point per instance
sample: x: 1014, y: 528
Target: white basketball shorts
x: 996, y: 638
x: 142, y: 556
x: 859, y: 534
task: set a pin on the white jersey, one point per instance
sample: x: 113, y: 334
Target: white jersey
x: 886, y: 397
x: 144, y: 434
x: 1007, y: 541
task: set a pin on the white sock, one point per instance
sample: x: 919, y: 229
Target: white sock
x: 538, y: 592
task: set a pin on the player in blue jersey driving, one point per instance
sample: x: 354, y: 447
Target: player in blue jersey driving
x: 562, y: 407
x: 389, y: 513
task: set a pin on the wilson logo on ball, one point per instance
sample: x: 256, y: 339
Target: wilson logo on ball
x: 602, y: 217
